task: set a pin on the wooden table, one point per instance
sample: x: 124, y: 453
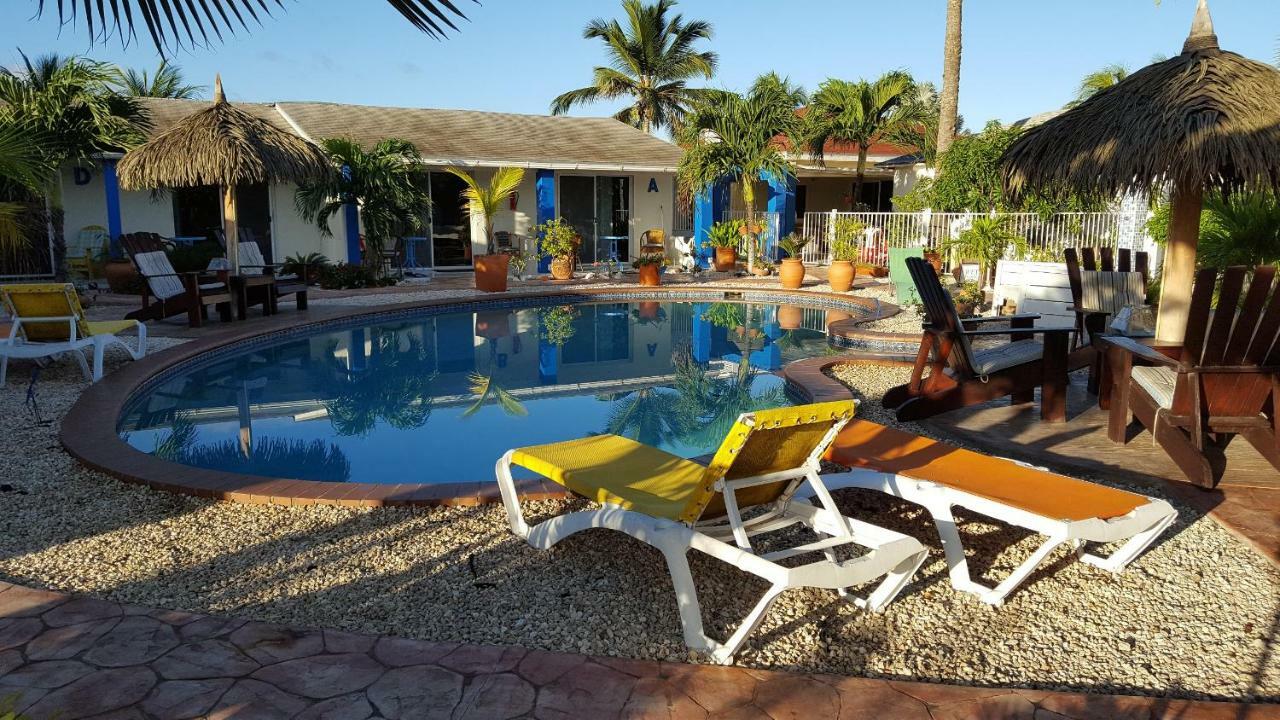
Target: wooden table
x: 240, y: 289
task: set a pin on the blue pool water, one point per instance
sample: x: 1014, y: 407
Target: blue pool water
x: 439, y: 396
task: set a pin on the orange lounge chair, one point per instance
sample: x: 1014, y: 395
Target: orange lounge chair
x: 938, y: 477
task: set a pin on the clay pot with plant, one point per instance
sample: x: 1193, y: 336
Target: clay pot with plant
x: 791, y: 271
x: 559, y: 244
x: 485, y: 202
x: 726, y: 237
x: 934, y: 258
x: 650, y: 265
x: 840, y: 275
x: 968, y: 298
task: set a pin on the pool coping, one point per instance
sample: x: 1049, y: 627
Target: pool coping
x: 88, y: 431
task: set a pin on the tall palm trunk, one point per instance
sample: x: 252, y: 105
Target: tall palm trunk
x: 861, y: 177
x: 749, y: 202
x: 950, y: 100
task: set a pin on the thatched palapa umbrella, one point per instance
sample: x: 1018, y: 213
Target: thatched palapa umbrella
x: 1203, y: 120
x: 222, y: 145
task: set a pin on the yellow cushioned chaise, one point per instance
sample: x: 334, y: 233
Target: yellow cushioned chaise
x: 47, y: 321
x: 676, y: 505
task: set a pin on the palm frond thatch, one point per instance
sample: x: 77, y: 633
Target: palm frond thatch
x: 1207, y: 118
x: 225, y: 146
x: 184, y: 23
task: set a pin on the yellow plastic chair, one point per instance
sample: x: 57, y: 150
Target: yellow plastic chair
x: 676, y: 505
x: 47, y: 320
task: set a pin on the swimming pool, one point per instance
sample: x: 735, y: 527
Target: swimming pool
x: 437, y: 396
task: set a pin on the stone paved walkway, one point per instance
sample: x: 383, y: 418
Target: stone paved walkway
x: 75, y: 658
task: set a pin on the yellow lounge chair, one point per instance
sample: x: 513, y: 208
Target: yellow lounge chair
x: 676, y: 505
x: 47, y: 321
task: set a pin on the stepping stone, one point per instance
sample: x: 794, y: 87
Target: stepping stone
x: 268, y: 643
x: 207, y: 628
x: 97, y: 693
x: 19, y: 601
x: 1010, y: 706
x: 18, y: 632
x: 205, y: 659
x: 541, y: 667
x: 336, y: 641
x: 134, y: 641
x: 253, y: 700
x: 9, y: 660
x: 323, y: 676
x: 499, y: 697
x: 68, y: 641
x: 398, y: 652
x: 590, y: 691
x: 416, y: 692
x: 865, y: 697
x: 712, y: 687
x: 183, y: 699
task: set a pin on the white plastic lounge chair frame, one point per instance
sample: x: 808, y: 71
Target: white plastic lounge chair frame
x: 893, y: 555
x: 1141, y: 527
x: 17, y: 346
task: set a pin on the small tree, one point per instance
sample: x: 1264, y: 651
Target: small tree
x: 988, y: 241
x: 486, y: 201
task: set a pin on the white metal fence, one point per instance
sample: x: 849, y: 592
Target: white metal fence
x: 771, y: 222
x: 1046, y: 237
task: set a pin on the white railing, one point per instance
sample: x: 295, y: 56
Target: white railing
x: 1047, y: 236
x: 771, y: 221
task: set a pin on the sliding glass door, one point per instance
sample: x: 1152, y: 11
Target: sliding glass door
x: 599, y: 208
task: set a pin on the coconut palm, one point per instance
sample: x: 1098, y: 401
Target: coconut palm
x: 729, y: 136
x: 650, y: 62
x: 167, y: 82
x: 949, y: 102
x: 1096, y: 82
x: 24, y: 170
x: 923, y: 134
x: 270, y: 456
x: 1245, y: 229
x: 387, y: 182
x: 649, y: 415
x: 486, y: 201
x: 860, y: 112
x: 176, y: 24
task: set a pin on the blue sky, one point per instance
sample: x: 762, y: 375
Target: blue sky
x: 1021, y: 57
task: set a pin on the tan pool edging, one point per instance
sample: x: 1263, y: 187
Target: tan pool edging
x: 89, y: 434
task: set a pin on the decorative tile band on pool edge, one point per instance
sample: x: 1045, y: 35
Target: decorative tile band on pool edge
x: 97, y: 444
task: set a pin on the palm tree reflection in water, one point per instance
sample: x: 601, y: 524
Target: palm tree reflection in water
x: 392, y: 385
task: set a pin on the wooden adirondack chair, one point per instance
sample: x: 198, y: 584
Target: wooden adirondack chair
x: 1223, y: 381
x: 1093, y: 320
x: 959, y: 376
x: 166, y: 292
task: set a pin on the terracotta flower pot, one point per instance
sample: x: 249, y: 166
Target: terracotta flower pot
x: 934, y: 259
x: 491, y: 272
x: 726, y: 259
x: 841, y: 275
x: 562, y: 268
x: 649, y: 275
x: 791, y: 273
x: 835, y: 316
x: 122, y: 276
x: 493, y: 324
x: 790, y: 317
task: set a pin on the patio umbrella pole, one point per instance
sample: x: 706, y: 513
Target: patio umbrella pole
x: 229, y: 228
x: 1179, y: 263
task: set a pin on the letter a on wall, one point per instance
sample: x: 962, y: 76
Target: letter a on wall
x: 653, y: 184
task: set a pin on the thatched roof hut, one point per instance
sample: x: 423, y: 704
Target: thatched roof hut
x: 225, y: 146
x: 1205, y: 119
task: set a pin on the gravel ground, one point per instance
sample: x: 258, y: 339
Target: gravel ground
x: 1196, y: 616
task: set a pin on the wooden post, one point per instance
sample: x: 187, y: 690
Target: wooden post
x: 1179, y: 264
x: 229, y: 228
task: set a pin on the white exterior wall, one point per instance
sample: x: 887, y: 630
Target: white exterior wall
x: 651, y: 209
x: 86, y: 204
x: 292, y: 235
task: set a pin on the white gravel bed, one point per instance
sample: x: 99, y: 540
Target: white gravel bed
x: 1196, y: 616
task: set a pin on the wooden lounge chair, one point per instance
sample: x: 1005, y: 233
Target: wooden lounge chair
x: 173, y: 292
x: 1091, y: 311
x: 940, y: 477
x: 676, y: 505
x: 47, y: 320
x: 253, y: 264
x: 1222, y: 381
x: 959, y: 376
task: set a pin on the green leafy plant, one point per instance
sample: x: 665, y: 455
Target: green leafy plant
x: 726, y: 234
x: 988, y: 241
x: 969, y: 293
x: 346, y: 276
x: 557, y: 324
x: 847, y: 237
x: 558, y: 238
x: 649, y: 259
x: 194, y: 257
x: 793, y: 244
x: 308, y: 265
x: 519, y: 261
x: 486, y: 201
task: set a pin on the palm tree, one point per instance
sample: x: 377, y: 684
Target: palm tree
x: 926, y: 107
x: 24, y: 170
x: 729, y: 136
x: 1096, y: 82
x: 650, y: 62
x: 387, y: 182
x: 485, y: 201
x: 166, y: 83
x: 860, y: 112
x: 173, y: 25
x: 948, y: 124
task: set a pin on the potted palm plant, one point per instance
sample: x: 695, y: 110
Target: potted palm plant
x: 988, y: 241
x: 559, y: 242
x: 791, y: 271
x: 650, y: 265
x: 725, y: 237
x: 847, y: 235
x: 485, y: 202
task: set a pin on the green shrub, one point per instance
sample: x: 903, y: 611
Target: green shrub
x: 311, y: 263
x: 847, y: 238
x: 558, y: 238
x: 346, y: 276
x: 726, y: 234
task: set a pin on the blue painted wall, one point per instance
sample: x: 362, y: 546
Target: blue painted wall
x: 709, y: 207
x: 545, y: 185
x: 112, y: 184
x: 351, y: 217
x: 782, y: 200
